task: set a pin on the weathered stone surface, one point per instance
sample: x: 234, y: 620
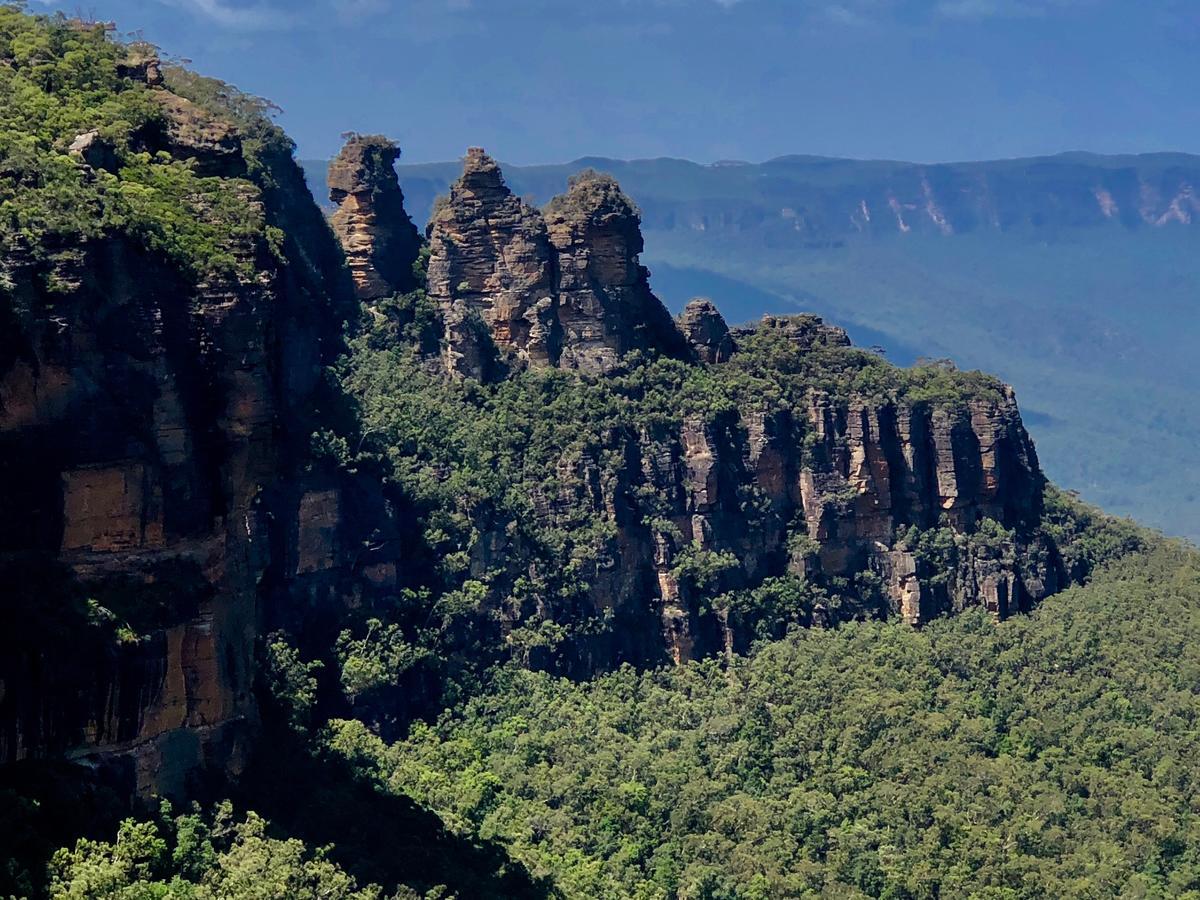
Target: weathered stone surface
x: 93, y: 151
x: 379, y: 239
x: 146, y: 448
x: 194, y: 133
x: 154, y: 436
x: 141, y: 64
x: 110, y: 508
x: 491, y: 271
x: 832, y: 492
x: 317, y: 521
x: 564, y: 287
x: 705, y: 329
x: 605, y: 304
x: 903, y: 584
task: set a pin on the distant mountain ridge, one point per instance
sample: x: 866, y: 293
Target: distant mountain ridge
x: 824, y: 197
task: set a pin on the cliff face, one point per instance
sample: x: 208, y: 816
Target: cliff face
x: 155, y: 468
x: 822, y: 199
x: 162, y: 383
x: 847, y: 490
x: 705, y: 330
x: 520, y: 288
x: 605, y: 304
x: 491, y: 272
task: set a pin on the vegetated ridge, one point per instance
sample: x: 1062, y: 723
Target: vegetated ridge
x: 1072, y: 277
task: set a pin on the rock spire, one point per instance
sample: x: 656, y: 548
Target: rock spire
x: 379, y: 239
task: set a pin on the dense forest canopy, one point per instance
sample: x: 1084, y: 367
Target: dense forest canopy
x: 1050, y: 755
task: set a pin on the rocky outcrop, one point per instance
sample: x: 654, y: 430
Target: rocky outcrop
x: 166, y: 511
x: 605, y: 305
x: 492, y: 273
x: 843, y: 490
x: 520, y: 288
x: 161, y: 501
x: 705, y: 330
x: 379, y: 238
x: 910, y: 509
x: 192, y: 132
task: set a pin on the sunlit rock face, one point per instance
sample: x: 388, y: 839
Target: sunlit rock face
x: 706, y: 332
x: 561, y: 287
x: 379, y: 239
x: 491, y: 272
x: 830, y: 490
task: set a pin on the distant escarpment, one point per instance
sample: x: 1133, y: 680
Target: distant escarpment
x: 170, y: 297
x: 794, y: 200
x: 689, y: 488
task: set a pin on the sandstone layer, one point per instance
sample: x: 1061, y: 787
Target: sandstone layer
x: 840, y: 490
x: 491, y: 272
x: 706, y: 332
x: 379, y: 239
x: 605, y: 304
x: 517, y: 287
x: 161, y: 503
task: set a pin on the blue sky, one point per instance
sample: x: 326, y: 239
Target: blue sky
x: 552, y: 80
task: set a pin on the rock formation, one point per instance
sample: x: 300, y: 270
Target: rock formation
x: 518, y: 288
x: 837, y: 491
x: 154, y: 458
x: 165, y: 508
x: 211, y: 143
x: 705, y: 330
x: 605, y: 304
x: 379, y: 239
x: 847, y: 477
x: 491, y: 271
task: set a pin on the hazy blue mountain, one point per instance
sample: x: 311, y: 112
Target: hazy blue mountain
x: 1075, y: 277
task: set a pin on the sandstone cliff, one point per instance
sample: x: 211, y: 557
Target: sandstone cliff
x: 605, y: 304
x: 177, y: 467
x: 705, y: 330
x: 491, y: 272
x: 901, y: 507
x: 895, y: 494
x: 155, y: 464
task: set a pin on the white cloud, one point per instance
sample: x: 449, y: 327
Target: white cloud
x: 1011, y: 9
x: 845, y: 14
x: 254, y: 16
x: 354, y: 10
x: 974, y: 9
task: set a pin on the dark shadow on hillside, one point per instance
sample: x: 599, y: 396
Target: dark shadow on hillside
x: 45, y: 805
x: 378, y: 837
